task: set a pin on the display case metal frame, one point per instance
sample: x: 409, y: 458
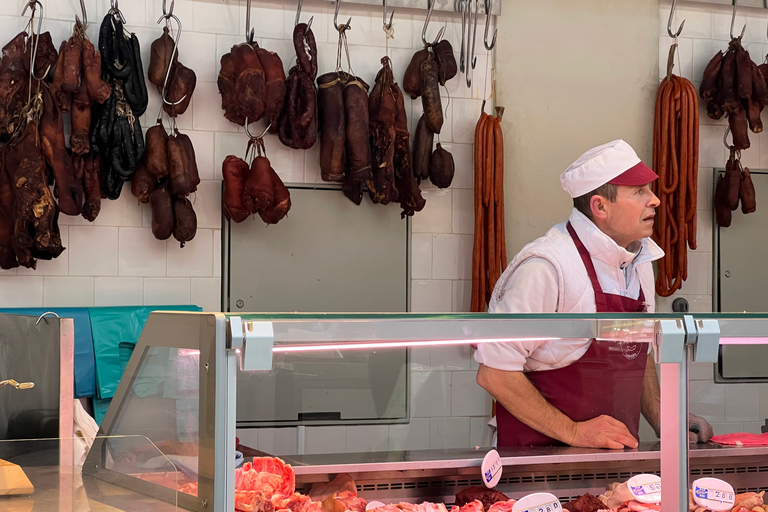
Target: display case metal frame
x: 222, y: 339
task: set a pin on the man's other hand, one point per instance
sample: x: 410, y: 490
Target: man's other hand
x: 699, y: 429
x: 602, y: 432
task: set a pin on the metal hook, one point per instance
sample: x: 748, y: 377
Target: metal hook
x: 460, y: 6
x: 298, y: 11
x: 669, y: 23
x: 471, y: 58
x: 387, y: 26
x: 166, y: 14
x: 84, y: 21
x: 336, y: 18
x: 488, y: 9
x: 34, y: 4
x: 249, y: 32
x: 115, y: 10
x: 251, y: 136
x: 431, y: 6
x: 175, y: 51
x: 733, y: 20
x: 42, y: 317
x: 725, y: 138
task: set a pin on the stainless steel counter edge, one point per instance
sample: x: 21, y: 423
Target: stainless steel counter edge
x: 447, y: 459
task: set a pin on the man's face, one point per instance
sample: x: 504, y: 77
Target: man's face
x: 631, y: 217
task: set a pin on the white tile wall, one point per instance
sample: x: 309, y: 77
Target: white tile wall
x: 446, y: 433
x: 731, y: 407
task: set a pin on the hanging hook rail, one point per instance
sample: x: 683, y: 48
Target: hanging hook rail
x: 673, y: 35
x: 345, y: 26
x: 34, y: 5
x: 488, y: 9
x: 167, y: 16
x: 387, y: 26
x: 733, y: 20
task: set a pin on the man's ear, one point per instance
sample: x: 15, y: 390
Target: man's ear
x: 597, y: 205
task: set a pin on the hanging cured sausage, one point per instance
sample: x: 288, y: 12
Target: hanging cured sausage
x: 676, y: 160
x: 489, y: 253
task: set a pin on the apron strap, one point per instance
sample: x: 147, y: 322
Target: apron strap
x: 586, y: 259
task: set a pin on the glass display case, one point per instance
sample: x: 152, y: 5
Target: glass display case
x: 191, y: 373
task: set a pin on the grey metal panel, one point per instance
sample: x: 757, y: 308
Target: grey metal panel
x: 742, y: 250
x: 742, y: 285
x: 327, y: 255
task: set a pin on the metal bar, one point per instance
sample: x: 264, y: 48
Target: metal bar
x: 440, y: 5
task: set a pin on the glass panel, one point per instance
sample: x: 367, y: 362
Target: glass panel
x: 161, y: 405
x: 325, y: 387
x: 34, y: 477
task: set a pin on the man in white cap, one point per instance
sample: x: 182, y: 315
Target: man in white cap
x: 579, y: 392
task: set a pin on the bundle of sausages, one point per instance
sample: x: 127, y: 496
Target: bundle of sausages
x: 393, y: 177
x: 429, y: 68
x: 253, y: 189
x: 489, y: 254
x: 734, y: 187
x: 732, y: 84
x: 117, y: 135
x: 181, y: 80
x: 167, y: 173
x: 76, y: 86
x: 676, y: 160
x: 252, y: 85
x: 164, y: 177
x: 28, y: 212
x: 297, y: 125
x: 345, y: 151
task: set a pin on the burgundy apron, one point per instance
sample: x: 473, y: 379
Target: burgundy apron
x: 608, y: 379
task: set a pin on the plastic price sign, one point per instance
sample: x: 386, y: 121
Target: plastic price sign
x: 491, y: 469
x: 645, y: 488
x: 713, y: 494
x: 538, y: 502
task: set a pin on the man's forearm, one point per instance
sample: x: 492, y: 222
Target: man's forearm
x: 515, y: 392
x: 650, y: 402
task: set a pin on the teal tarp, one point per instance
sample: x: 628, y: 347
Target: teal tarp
x: 115, y: 331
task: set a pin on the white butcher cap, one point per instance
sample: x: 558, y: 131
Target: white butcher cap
x: 615, y: 163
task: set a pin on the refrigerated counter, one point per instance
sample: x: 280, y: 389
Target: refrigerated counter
x: 180, y: 391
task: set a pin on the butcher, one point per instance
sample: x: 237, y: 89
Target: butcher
x: 580, y: 392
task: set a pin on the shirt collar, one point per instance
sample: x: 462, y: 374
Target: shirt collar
x: 603, y: 248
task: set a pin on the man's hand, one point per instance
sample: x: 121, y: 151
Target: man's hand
x: 699, y: 429
x: 602, y: 432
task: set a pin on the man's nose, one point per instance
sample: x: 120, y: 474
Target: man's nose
x: 654, y: 202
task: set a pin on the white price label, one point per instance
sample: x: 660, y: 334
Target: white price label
x: 645, y: 488
x: 491, y: 469
x: 538, y: 502
x: 713, y: 494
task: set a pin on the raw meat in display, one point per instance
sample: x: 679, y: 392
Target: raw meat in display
x: 472, y: 506
x: 481, y: 493
x: 585, y: 503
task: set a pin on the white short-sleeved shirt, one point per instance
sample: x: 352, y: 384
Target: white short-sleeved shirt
x: 533, y: 287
